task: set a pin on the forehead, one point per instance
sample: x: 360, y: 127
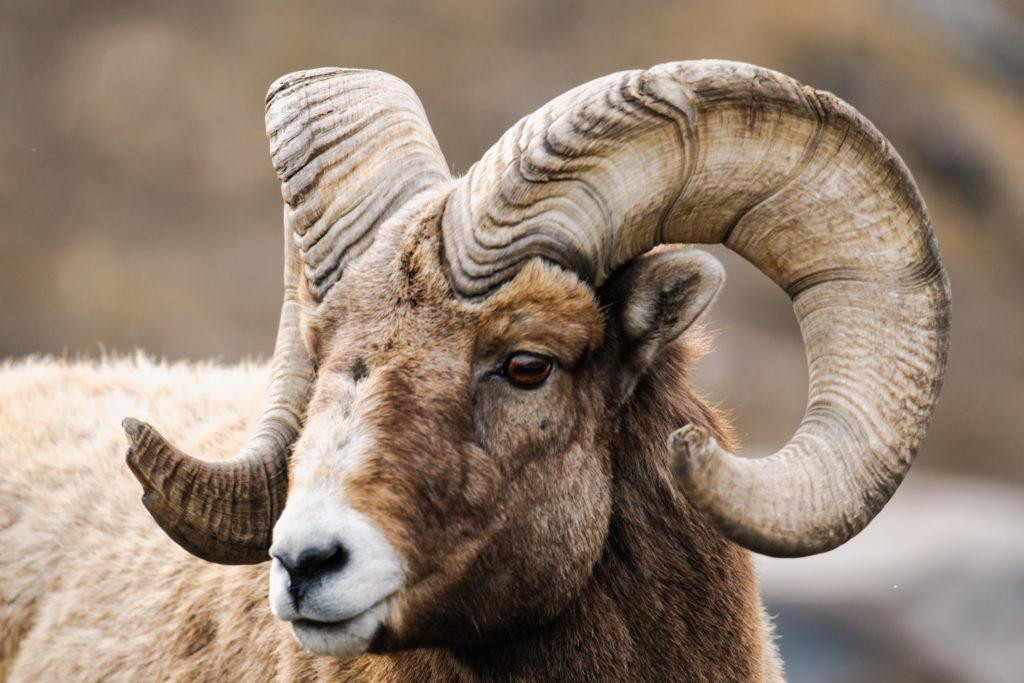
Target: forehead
x: 397, y: 295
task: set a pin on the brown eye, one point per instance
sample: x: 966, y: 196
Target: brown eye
x: 526, y: 369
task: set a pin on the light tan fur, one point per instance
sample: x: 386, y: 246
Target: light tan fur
x: 92, y: 589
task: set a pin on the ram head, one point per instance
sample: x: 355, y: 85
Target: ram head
x: 464, y: 365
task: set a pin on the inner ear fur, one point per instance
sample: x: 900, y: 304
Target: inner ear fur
x: 659, y: 296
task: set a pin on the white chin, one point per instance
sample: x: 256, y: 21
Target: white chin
x: 348, y: 638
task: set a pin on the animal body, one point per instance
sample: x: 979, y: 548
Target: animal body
x: 479, y: 457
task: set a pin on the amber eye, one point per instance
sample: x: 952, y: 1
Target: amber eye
x: 526, y: 369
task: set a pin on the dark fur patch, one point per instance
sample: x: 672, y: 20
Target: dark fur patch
x: 200, y: 631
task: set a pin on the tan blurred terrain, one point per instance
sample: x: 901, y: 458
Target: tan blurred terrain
x: 138, y: 207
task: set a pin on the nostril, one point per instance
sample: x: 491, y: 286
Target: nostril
x: 311, y: 565
x: 318, y: 561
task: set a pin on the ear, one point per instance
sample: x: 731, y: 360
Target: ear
x: 662, y: 293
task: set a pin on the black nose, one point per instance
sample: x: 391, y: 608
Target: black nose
x: 310, y: 567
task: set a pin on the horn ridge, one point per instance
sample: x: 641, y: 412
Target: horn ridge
x: 350, y: 147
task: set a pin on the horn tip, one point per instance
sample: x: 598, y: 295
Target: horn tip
x: 132, y: 427
x: 155, y: 464
x: 137, y: 431
x: 690, y: 447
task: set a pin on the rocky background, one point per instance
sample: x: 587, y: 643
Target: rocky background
x: 138, y: 209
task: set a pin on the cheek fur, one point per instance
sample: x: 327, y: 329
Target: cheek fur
x: 531, y: 557
x: 515, y: 426
x: 532, y: 547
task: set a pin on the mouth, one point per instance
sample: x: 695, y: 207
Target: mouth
x: 342, y: 638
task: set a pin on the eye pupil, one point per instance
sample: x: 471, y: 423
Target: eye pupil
x: 526, y: 369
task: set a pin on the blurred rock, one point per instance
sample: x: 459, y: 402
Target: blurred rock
x: 933, y: 589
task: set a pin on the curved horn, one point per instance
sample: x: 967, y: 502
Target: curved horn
x: 350, y: 147
x: 224, y: 511
x: 803, y: 187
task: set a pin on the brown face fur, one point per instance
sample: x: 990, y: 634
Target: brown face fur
x: 497, y: 497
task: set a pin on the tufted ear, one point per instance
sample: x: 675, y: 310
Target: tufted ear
x: 661, y: 295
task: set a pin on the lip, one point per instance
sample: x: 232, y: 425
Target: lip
x: 325, y: 627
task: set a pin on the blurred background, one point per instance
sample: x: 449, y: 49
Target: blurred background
x: 138, y: 209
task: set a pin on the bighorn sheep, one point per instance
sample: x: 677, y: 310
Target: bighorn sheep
x: 478, y: 456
